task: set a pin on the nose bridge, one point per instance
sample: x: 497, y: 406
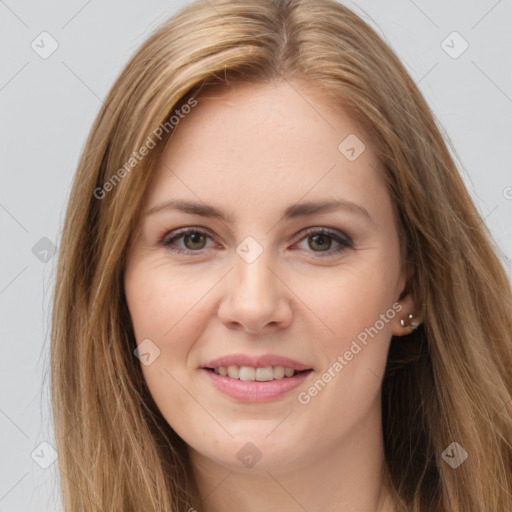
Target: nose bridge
x: 255, y: 296
x: 254, y: 275
x: 253, y: 278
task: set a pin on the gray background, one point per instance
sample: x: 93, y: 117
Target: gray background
x: 48, y: 106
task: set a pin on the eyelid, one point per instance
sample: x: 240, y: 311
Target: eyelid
x: 332, y: 232
x: 165, y: 240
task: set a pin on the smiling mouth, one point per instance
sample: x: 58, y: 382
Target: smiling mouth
x: 259, y: 374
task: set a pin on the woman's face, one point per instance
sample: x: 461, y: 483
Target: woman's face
x: 256, y: 289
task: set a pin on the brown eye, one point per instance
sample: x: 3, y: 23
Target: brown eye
x: 320, y: 240
x: 196, y: 240
x: 193, y: 240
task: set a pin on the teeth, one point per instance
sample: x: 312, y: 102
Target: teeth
x: 263, y: 374
x: 278, y: 372
x: 233, y: 371
x: 247, y: 373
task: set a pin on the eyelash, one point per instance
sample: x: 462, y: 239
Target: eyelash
x: 344, y: 240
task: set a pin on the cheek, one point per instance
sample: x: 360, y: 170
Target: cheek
x: 353, y: 299
x: 161, y: 300
x: 165, y: 307
x: 357, y: 308
x: 168, y: 307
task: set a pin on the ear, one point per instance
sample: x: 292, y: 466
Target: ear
x: 404, y: 323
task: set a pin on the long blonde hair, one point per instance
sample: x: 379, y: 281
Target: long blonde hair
x: 448, y: 381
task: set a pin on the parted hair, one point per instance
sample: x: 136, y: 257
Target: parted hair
x: 449, y: 381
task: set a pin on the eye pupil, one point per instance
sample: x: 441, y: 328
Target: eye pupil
x: 196, y: 239
x: 319, y: 239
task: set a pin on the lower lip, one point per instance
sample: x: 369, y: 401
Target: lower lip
x: 256, y: 391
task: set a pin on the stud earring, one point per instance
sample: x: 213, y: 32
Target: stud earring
x: 412, y: 324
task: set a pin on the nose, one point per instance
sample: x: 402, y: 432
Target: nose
x: 256, y: 298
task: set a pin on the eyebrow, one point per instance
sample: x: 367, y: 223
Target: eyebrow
x: 292, y: 212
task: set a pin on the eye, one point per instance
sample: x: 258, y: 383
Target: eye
x: 320, y: 241
x: 194, y: 240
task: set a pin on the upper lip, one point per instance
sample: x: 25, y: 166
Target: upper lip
x: 256, y: 361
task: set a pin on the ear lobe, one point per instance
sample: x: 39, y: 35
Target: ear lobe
x: 409, y: 322
x: 409, y: 317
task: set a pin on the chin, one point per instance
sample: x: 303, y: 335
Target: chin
x: 253, y: 453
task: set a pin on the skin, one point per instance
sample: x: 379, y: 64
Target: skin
x: 253, y: 150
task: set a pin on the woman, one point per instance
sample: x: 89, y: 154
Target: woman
x: 260, y: 369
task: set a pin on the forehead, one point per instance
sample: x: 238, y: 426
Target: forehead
x: 254, y: 144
